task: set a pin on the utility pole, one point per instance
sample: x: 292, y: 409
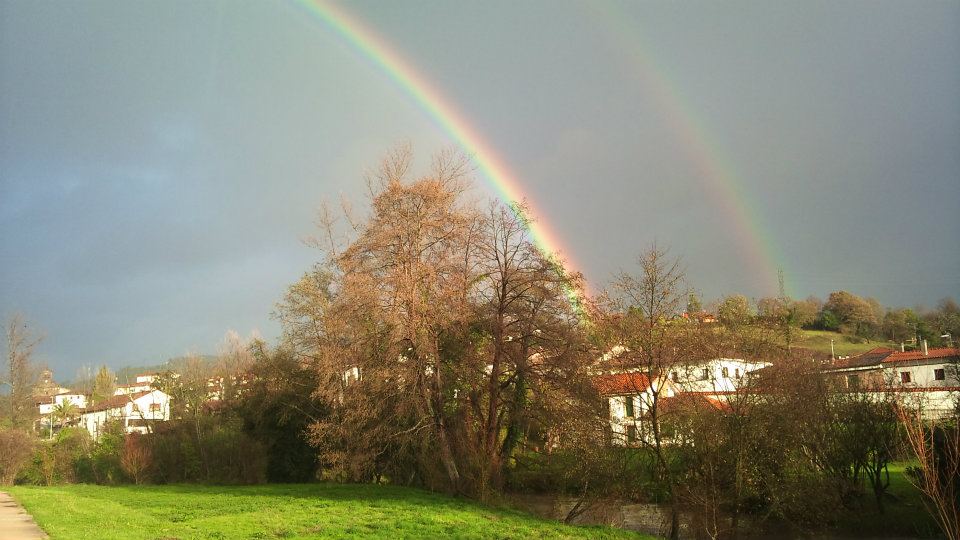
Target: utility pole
x: 833, y: 356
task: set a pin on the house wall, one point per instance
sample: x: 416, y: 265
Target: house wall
x: 922, y: 374
x: 153, y: 407
x: 128, y: 389
x: 93, y: 422
x: 719, y: 375
x: 79, y: 400
x: 620, y: 423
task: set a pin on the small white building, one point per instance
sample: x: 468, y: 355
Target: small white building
x: 143, y: 383
x: 717, y: 376
x: 137, y: 412
x: 46, y: 405
x: 629, y: 397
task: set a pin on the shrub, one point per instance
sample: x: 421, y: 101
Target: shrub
x: 209, y: 449
x: 16, y: 447
x: 136, y: 457
x: 106, y: 453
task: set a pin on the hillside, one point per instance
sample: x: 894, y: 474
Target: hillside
x: 844, y: 345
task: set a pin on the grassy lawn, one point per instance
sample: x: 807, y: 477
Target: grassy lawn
x: 905, y: 516
x: 819, y: 340
x: 277, y: 511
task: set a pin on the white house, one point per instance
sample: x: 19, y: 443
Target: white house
x: 629, y: 396
x: 48, y: 404
x: 720, y: 375
x: 143, y: 383
x: 928, y: 378
x: 137, y: 412
x: 80, y: 400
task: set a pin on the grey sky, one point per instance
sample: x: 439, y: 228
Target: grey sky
x: 161, y: 162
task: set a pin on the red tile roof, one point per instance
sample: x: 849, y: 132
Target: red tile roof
x: 115, y: 402
x: 693, y: 401
x: 944, y: 352
x: 621, y: 383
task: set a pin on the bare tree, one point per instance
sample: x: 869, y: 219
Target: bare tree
x: 234, y: 359
x: 643, y: 321
x: 136, y: 457
x: 21, y: 374
x: 937, y: 448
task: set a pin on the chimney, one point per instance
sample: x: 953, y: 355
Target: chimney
x: 925, y: 352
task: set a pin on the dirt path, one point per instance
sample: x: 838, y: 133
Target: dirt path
x: 15, y: 522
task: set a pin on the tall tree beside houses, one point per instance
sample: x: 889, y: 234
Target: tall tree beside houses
x: 435, y: 330
x: 641, y: 321
x: 104, y: 385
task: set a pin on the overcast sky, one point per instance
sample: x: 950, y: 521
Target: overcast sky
x: 160, y: 163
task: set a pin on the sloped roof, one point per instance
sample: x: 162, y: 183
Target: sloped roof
x: 873, y: 357
x: 115, y: 402
x: 693, y: 401
x: 932, y: 354
x: 621, y: 383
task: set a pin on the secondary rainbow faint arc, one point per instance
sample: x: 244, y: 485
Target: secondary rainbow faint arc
x: 717, y: 173
x: 491, y: 166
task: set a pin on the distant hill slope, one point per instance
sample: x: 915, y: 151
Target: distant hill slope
x: 844, y: 345
x: 129, y: 373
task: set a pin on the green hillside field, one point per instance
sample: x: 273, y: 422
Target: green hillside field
x: 844, y: 345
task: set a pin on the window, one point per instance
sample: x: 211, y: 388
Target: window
x: 154, y: 407
x: 725, y: 372
x: 904, y: 376
x: 706, y: 375
x: 675, y: 377
x: 853, y: 381
x: 628, y: 405
x: 939, y: 374
x: 736, y: 373
x: 631, y: 434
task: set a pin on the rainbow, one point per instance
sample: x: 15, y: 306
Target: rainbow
x: 716, y: 172
x: 446, y: 116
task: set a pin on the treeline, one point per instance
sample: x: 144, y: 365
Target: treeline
x: 248, y: 427
x: 850, y: 314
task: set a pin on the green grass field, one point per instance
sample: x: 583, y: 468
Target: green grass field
x: 277, y: 511
x: 905, y: 516
x: 819, y: 340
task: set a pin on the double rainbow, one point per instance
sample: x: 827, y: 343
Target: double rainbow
x: 716, y: 173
